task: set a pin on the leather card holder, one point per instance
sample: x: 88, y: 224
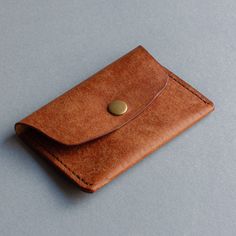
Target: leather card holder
x: 91, y: 144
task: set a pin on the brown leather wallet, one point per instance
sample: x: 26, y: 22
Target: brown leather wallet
x: 109, y: 122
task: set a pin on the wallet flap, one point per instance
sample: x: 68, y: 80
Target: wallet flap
x: 81, y: 114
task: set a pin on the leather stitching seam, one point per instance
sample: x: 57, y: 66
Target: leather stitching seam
x: 188, y: 89
x: 67, y: 167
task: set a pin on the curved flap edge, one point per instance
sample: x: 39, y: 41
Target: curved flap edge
x: 80, y: 115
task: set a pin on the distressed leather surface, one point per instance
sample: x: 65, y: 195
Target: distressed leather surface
x: 77, y: 134
x: 80, y: 115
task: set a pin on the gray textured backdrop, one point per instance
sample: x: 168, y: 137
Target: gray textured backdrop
x: 188, y: 187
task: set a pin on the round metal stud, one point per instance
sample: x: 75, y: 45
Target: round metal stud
x: 117, y: 107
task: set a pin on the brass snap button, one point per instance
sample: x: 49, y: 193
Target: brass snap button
x: 117, y: 107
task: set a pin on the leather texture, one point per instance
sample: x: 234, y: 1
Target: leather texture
x: 77, y: 134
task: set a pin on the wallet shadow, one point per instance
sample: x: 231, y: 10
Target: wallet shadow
x: 71, y: 190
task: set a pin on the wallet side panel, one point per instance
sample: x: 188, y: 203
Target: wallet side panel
x: 94, y: 164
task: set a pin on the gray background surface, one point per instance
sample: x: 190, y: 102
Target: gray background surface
x: 188, y: 187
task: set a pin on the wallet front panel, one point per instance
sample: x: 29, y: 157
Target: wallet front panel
x: 93, y: 164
